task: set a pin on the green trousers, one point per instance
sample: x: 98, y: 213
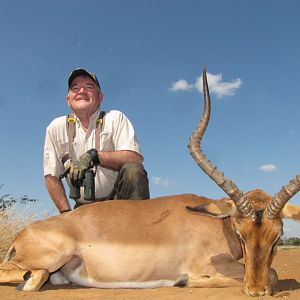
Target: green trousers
x: 132, y: 183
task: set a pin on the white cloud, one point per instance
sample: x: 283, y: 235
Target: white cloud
x: 161, y: 181
x: 181, y: 85
x: 216, y: 85
x: 268, y: 168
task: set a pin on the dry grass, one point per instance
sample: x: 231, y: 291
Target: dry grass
x: 283, y: 247
x: 10, y: 224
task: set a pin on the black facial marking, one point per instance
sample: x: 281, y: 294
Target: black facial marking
x: 258, y: 216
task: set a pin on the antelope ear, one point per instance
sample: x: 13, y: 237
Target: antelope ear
x: 217, y: 209
x: 291, y: 211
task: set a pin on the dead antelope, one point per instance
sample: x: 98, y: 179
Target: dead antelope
x: 175, y: 240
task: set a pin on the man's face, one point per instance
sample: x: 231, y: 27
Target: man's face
x: 84, y: 96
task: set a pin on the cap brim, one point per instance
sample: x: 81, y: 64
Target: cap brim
x: 78, y: 72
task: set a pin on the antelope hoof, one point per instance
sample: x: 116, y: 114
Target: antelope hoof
x: 182, y: 280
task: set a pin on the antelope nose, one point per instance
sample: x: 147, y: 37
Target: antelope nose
x: 254, y: 292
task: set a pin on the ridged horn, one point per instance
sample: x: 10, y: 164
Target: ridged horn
x: 279, y: 200
x: 240, y: 199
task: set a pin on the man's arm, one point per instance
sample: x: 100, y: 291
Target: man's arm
x: 114, y: 160
x: 57, y: 193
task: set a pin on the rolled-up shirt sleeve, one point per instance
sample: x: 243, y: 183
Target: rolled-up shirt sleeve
x: 52, y: 164
x: 124, y: 137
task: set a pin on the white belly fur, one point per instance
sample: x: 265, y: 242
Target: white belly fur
x: 77, y: 279
x: 125, y: 266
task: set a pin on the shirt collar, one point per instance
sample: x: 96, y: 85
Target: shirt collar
x: 93, y: 119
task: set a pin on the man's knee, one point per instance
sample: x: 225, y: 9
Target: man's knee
x: 132, y: 171
x: 133, y: 182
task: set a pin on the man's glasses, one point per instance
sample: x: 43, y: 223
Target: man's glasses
x: 88, y: 87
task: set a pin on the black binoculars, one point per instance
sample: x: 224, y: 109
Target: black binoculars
x: 88, y: 184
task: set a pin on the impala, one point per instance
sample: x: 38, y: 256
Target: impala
x: 185, y: 240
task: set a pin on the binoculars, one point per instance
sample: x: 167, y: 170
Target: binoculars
x: 88, y: 184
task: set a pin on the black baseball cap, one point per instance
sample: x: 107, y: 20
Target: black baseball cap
x: 81, y: 71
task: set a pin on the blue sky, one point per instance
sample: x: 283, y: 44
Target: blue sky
x: 148, y: 56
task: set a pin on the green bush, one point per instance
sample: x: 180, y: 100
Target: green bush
x: 293, y: 241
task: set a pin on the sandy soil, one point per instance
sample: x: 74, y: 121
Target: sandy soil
x: 286, y: 262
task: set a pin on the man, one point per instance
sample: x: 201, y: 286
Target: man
x: 91, y: 139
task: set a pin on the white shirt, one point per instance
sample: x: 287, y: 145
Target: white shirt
x: 117, y: 134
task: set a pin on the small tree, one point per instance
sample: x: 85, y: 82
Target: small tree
x: 7, y: 201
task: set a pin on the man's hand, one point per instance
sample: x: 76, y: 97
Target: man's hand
x: 78, y: 167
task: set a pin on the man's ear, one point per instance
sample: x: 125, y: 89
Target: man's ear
x: 216, y: 209
x: 67, y: 99
x: 101, y: 96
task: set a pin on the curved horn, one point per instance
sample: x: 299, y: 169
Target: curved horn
x: 240, y: 199
x: 282, y: 197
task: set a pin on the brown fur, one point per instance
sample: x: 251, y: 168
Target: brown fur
x: 151, y: 240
